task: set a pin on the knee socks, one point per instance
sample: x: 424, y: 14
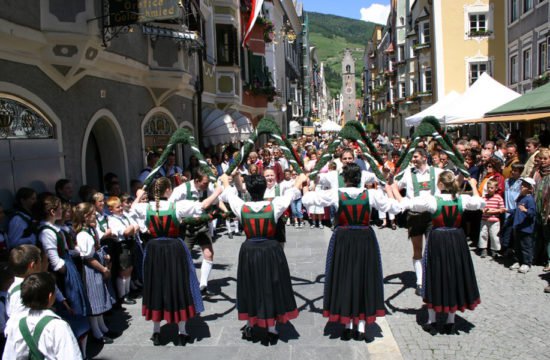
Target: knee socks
x: 127, y: 283
x: 181, y: 328
x: 156, y: 326
x: 96, y: 331
x: 83, y: 341
x: 361, y: 326
x: 206, y: 267
x: 418, y: 271
x: 228, y: 226
x: 101, y: 324
x: 123, y: 286
x: 272, y: 329
x: 451, y: 318
x: 349, y: 325
x: 431, y: 316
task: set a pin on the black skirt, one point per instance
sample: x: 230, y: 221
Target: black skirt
x: 170, y: 287
x: 449, y: 277
x: 354, y: 287
x: 264, y: 288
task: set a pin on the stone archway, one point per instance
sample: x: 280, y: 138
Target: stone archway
x: 104, y: 151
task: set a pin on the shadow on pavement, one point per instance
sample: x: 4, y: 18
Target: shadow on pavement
x: 117, y: 321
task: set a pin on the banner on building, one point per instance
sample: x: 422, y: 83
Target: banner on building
x: 128, y: 12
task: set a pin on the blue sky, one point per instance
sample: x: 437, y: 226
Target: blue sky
x: 371, y: 10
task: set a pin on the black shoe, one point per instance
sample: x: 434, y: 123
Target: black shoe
x: 183, y: 339
x: 205, y: 293
x: 429, y: 328
x: 483, y: 253
x: 272, y: 338
x: 418, y: 290
x: 127, y: 301
x: 346, y: 335
x: 230, y: 235
x: 105, y: 340
x: 246, y: 332
x: 450, y: 329
x: 156, y: 339
x: 361, y: 336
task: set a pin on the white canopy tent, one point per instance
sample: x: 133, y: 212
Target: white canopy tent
x: 243, y: 123
x: 218, y: 127
x: 294, y: 127
x: 330, y: 125
x: 436, y: 110
x: 483, y: 96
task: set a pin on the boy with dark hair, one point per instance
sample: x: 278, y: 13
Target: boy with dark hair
x: 40, y: 333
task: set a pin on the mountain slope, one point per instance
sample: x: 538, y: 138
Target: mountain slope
x: 331, y: 35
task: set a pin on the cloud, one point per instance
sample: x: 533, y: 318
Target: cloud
x: 376, y: 13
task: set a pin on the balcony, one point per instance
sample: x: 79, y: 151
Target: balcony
x: 479, y: 33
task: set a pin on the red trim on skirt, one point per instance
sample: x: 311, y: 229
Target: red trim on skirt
x: 263, y: 323
x: 346, y: 319
x: 169, y: 317
x: 452, y: 309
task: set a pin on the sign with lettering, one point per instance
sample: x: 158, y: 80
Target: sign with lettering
x: 308, y: 130
x: 127, y: 12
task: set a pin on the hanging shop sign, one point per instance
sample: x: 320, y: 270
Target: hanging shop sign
x: 127, y: 12
x: 308, y: 130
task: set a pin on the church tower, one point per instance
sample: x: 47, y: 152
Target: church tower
x: 349, y: 107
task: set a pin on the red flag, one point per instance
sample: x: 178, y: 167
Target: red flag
x: 256, y: 8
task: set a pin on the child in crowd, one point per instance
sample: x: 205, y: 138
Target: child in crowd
x: 6, y: 279
x: 490, y: 222
x: 24, y: 260
x: 232, y: 223
x: 139, y: 237
x: 512, y: 188
x: 51, y: 337
x: 96, y: 270
x: 297, y: 216
x: 122, y: 255
x: 524, y: 226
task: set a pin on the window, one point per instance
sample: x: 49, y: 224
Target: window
x: 543, y: 56
x: 427, y: 80
x: 402, y: 90
x: 226, y: 45
x: 424, y: 32
x: 527, y: 5
x: 476, y: 69
x: 514, y: 69
x: 527, y: 64
x: 348, y: 69
x: 513, y: 10
x: 478, y: 24
x: 401, y: 53
x: 412, y: 85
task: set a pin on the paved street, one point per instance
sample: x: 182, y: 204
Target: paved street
x: 511, y: 322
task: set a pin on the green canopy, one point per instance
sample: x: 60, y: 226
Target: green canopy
x: 537, y: 100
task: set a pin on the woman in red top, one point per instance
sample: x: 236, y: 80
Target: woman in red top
x: 494, y: 171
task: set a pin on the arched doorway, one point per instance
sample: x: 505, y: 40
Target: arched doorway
x: 103, y: 151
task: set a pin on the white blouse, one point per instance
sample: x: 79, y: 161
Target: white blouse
x: 48, y: 238
x: 280, y: 203
x: 183, y: 208
x: 377, y: 199
x: 428, y: 203
x: 86, y: 244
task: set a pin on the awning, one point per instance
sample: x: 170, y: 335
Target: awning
x: 218, y: 127
x: 294, y: 127
x: 436, y: 110
x: 243, y: 124
x: 330, y: 125
x: 509, y: 118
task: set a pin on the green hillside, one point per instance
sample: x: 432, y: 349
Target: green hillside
x: 332, y: 35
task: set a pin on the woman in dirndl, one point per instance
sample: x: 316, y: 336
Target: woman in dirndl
x: 449, y: 274
x: 170, y: 286
x: 354, y: 290
x: 96, y: 270
x: 264, y: 288
x: 76, y: 306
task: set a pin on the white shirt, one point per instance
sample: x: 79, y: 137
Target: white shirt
x: 14, y: 305
x: 377, y: 199
x: 56, y: 342
x: 48, y: 238
x: 180, y: 192
x: 330, y: 180
x: 283, y: 162
x: 118, y: 225
x: 280, y: 203
x: 428, y: 203
x: 86, y: 244
x: 183, y: 208
x: 101, y: 217
x: 135, y: 220
x: 406, y: 181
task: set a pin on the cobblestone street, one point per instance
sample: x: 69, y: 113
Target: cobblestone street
x: 511, y: 321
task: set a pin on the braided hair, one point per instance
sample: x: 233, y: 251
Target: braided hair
x: 447, y: 178
x: 161, y: 185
